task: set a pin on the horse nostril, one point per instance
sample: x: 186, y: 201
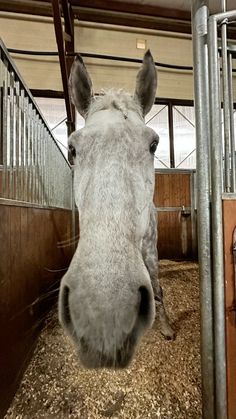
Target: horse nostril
x: 65, y: 306
x: 144, y: 304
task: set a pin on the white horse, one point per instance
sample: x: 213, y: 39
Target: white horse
x: 107, y: 297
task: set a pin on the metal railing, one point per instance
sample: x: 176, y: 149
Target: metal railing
x: 215, y: 177
x: 32, y: 167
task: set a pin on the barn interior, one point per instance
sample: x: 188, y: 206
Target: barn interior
x: 39, y: 222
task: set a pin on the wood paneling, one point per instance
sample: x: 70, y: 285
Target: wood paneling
x: 29, y: 250
x: 175, y: 238
x: 172, y: 190
x: 229, y: 220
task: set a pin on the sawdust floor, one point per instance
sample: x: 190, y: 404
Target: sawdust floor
x: 163, y: 381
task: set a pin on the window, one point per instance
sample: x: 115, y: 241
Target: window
x: 184, y: 137
x: 157, y: 119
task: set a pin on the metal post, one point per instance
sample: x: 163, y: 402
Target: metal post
x: 226, y: 104
x: 232, y: 131
x: 201, y: 93
x: 217, y: 230
x: 171, y: 134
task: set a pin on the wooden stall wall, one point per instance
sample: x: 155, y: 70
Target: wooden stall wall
x: 229, y: 222
x: 30, y: 256
x: 176, y: 218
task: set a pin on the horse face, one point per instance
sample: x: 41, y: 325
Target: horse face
x: 106, y: 298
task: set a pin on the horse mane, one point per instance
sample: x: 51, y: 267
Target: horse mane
x: 115, y: 99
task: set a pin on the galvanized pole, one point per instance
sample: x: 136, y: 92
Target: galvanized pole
x: 232, y: 131
x: 217, y: 228
x: 226, y: 102
x: 201, y: 103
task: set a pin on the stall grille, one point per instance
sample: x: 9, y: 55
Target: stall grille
x: 32, y: 167
x: 213, y: 75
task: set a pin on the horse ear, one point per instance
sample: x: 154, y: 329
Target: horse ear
x: 80, y: 86
x: 146, y: 83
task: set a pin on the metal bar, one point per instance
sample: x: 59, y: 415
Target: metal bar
x: 17, y: 116
x: 36, y: 159
x: 172, y: 209
x: 44, y: 195
x: 73, y: 206
x: 11, y: 137
x: 201, y: 94
x: 217, y: 230
x: 47, y: 169
x: 30, y: 155
x: 171, y: 134
x: 22, y: 143
x: 40, y: 163
x: 1, y: 119
x: 33, y: 156
x: 26, y: 168
x: 226, y: 107
x: 232, y: 131
x: 193, y: 213
x: 5, y: 131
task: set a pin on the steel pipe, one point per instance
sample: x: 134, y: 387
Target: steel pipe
x: 232, y: 131
x: 201, y: 94
x: 226, y: 108
x: 217, y: 229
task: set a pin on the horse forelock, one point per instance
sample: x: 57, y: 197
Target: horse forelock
x: 115, y: 99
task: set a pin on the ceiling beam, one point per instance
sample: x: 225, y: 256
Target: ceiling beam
x: 64, y: 65
x: 137, y: 8
x: 112, y: 12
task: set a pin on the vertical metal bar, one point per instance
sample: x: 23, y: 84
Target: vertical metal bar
x: 226, y: 106
x: 40, y: 161
x: 26, y: 168
x: 171, y: 134
x: 73, y: 223
x: 201, y: 102
x: 232, y: 131
x: 36, y: 159
x: 33, y: 156
x: 5, y: 131
x: 43, y: 164
x: 50, y: 171
x: 22, y: 151
x: 17, y: 132
x: 30, y: 183
x: 11, y: 137
x: 217, y: 230
x: 47, y: 139
x: 1, y: 120
x: 193, y: 213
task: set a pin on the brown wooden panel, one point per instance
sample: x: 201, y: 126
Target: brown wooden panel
x: 29, y: 250
x: 174, y: 236
x: 172, y: 190
x: 229, y: 220
x: 175, y: 239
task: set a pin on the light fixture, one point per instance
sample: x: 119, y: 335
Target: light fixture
x: 141, y: 43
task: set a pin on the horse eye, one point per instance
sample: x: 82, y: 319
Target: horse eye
x: 72, y: 150
x: 153, y: 146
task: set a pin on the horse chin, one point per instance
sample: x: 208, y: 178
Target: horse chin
x: 120, y: 358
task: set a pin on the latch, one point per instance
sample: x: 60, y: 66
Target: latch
x: 185, y: 212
